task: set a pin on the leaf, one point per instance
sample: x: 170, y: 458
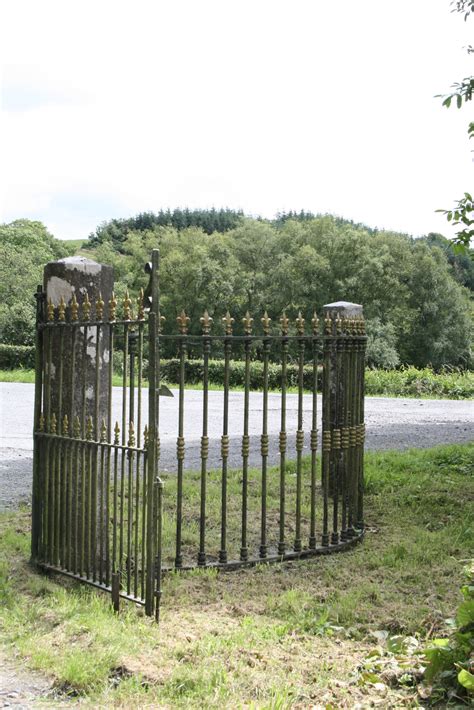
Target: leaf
x: 465, y: 613
x: 459, y: 100
x: 440, y: 643
x: 466, y: 679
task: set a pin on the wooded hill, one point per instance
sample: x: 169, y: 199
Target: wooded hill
x: 416, y: 293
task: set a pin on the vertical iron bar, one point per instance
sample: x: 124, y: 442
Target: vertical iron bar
x: 131, y: 457
x: 326, y: 425
x: 347, y: 511
x: 137, y: 523
x: 247, y: 321
x: 124, y: 441
x: 264, y: 439
x: 115, y: 513
x: 102, y: 507
x: 144, y: 508
x: 361, y: 390
x: 158, y: 545
x: 314, y: 433
x: 182, y: 321
x: 153, y: 404
x: 225, y: 438
x: 282, y: 437
x: 299, y: 434
x: 37, y: 503
x: 206, y: 322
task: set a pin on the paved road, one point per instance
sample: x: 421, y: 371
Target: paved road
x: 391, y: 424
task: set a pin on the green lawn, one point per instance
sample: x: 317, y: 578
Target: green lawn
x: 302, y: 633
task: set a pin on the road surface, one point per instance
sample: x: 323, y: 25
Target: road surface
x: 392, y: 423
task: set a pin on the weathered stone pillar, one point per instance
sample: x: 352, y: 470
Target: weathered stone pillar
x: 80, y: 356
x: 343, y: 380
x: 76, y: 406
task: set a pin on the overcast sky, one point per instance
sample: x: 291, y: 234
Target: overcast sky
x: 112, y: 108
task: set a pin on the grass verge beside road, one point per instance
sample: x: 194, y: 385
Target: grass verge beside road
x: 270, y: 637
x: 407, y: 382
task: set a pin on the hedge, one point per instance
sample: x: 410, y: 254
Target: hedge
x: 17, y: 356
x: 404, y: 382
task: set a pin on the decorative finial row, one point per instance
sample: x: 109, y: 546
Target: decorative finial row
x: 334, y: 324
x: 83, y: 311
x: 228, y: 322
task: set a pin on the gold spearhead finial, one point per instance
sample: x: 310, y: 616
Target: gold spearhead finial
x: 206, y: 323
x: 161, y: 320
x: 74, y: 308
x: 315, y: 323
x: 300, y: 324
x: 127, y: 306
x: 52, y: 424
x: 50, y: 310
x: 62, y: 310
x: 103, y: 431
x: 284, y: 323
x: 183, y: 321
x: 99, y: 307
x: 41, y: 422
x: 131, y: 435
x: 338, y: 322
x: 266, y: 323
x: 362, y: 325
x: 228, y: 323
x: 112, y: 307
x: 77, y: 427
x: 248, y: 322
x: 328, y: 324
x: 65, y: 428
x: 116, y: 434
x: 145, y: 437
x: 89, y: 429
x: 141, y: 306
x: 86, y: 308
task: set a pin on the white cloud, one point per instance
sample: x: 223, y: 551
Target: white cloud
x: 112, y: 107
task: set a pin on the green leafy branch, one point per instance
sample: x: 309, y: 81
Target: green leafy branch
x: 462, y: 216
x: 462, y: 92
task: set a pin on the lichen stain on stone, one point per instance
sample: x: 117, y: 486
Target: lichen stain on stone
x: 56, y: 287
x: 80, y: 263
x: 52, y: 370
x: 106, y: 356
x: 90, y: 393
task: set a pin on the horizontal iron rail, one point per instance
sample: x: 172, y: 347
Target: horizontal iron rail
x: 88, y: 580
x: 273, y: 558
x: 90, y: 442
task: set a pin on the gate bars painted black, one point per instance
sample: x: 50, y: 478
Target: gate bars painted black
x: 99, y: 513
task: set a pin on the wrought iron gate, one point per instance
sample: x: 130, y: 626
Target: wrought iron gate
x: 99, y: 513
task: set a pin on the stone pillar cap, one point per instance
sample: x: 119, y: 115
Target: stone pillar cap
x: 346, y: 307
x: 80, y: 263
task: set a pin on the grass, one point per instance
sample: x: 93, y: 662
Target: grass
x: 407, y: 382
x: 274, y: 636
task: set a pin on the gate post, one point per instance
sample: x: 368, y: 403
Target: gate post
x: 76, y: 368
x: 78, y: 276
x: 343, y: 418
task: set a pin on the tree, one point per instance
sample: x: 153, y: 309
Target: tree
x: 25, y: 247
x: 462, y: 215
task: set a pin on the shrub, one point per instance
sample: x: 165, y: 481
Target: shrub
x: 16, y: 356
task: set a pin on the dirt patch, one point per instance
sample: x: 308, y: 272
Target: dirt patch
x: 19, y: 687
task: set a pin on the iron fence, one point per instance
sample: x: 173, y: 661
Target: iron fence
x: 100, y: 513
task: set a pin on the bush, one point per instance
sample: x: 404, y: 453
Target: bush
x: 450, y: 662
x: 16, y: 356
